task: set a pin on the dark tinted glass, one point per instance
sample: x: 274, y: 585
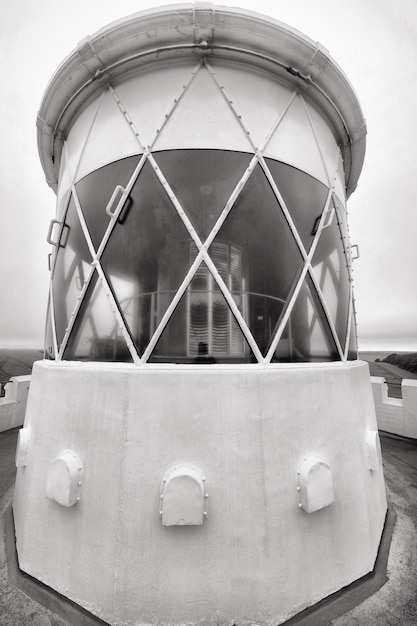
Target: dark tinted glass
x: 49, y: 352
x: 147, y: 256
x: 342, y: 218
x: 202, y: 328
x: 270, y: 258
x: 304, y: 197
x: 202, y: 181
x: 71, y: 268
x: 95, y: 190
x: 353, y: 341
x: 95, y: 335
x: 330, y: 269
x: 307, y: 336
x: 150, y: 252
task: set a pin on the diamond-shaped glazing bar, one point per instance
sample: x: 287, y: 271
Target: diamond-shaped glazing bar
x: 203, y: 254
x: 203, y: 250
x: 232, y: 105
x: 307, y: 112
x: 349, y: 329
x: 305, y: 270
x: 342, y: 349
x: 322, y: 224
x: 52, y: 320
x: 113, y: 219
x: 307, y: 267
x: 103, y: 279
x: 96, y: 255
x: 77, y: 167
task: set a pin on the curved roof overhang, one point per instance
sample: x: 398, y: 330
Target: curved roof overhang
x: 175, y: 31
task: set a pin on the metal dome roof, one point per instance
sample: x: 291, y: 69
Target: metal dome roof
x: 175, y: 31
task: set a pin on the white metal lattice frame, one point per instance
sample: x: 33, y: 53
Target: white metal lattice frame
x: 202, y: 248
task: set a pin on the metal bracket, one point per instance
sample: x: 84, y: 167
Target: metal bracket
x: 49, y: 235
x: 110, y: 213
x: 357, y: 254
x: 328, y: 219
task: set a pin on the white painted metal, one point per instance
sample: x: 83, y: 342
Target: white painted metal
x: 260, y: 97
x: 230, y: 36
x: 99, y: 150
x: 182, y: 496
x: 64, y: 186
x: 79, y: 138
x: 328, y: 148
x: 307, y: 268
x: 225, y: 109
x: 294, y: 143
x: 349, y: 324
x: 191, y: 124
x: 315, y: 480
x: 63, y: 480
x: 373, y: 449
x: 194, y: 124
x: 52, y: 322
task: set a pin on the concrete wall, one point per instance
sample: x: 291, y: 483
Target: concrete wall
x: 13, y: 404
x: 397, y: 416
x: 258, y: 557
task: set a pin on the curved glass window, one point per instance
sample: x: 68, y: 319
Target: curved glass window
x: 96, y: 335
x: 330, y: 269
x: 72, y: 264
x: 304, y: 197
x: 95, y: 190
x: 146, y: 257
x: 352, y: 354
x: 203, y: 328
x: 241, y: 285
x: 271, y: 258
x: 203, y: 181
x: 49, y: 351
x: 307, y: 336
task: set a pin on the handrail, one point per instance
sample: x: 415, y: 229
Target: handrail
x: 49, y: 235
x: 234, y: 292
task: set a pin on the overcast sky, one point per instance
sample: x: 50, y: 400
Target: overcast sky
x: 374, y: 42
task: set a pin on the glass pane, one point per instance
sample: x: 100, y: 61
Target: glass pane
x: 330, y: 269
x: 202, y: 328
x: 203, y: 181
x: 342, y: 218
x: 269, y: 260
x: 49, y: 352
x: 353, y: 341
x: 146, y: 257
x: 307, y: 335
x: 304, y: 197
x: 95, y: 190
x: 95, y: 335
x: 71, y: 269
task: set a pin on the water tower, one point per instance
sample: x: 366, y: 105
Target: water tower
x: 200, y: 440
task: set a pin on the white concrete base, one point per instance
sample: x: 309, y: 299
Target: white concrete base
x: 258, y: 556
x: 13, y: 404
